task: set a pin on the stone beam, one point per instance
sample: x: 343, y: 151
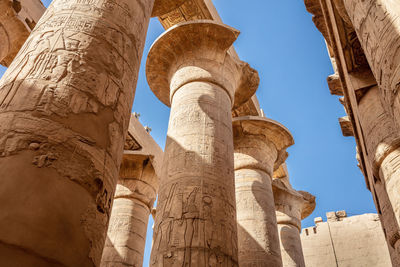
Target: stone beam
x: 377, y: 24
x: 369, y: 114
x: 17, y: 20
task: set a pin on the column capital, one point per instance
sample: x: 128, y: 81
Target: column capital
x: 162, y: 7
x: 138, y: 179
x: 291, y: 206
x: 258, y: 139
x: 198, y: 51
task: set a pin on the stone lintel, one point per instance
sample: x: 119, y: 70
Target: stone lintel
x: 314, y: 7
x: 349, y: 61
x: 187, y: 11
x: 162, y: 7
x: 17, y: 20
x: 170, y: 62
x: 346, y: 126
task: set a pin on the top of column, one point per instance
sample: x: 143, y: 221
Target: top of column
x: 285, y: 195
x: 272, y: 130
x: 197, y: 51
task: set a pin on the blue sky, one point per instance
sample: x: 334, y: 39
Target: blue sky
x: 279, y: 39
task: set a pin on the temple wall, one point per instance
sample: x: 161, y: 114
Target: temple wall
x: 345, y: 241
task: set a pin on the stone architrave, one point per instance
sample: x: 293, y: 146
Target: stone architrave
x: 17, y: 20
x: 377, y: 24
x: 162, y: 7
x: 65, y: 103
x: 258, y: 142
x: 291, y: 207
x: 189, y: 69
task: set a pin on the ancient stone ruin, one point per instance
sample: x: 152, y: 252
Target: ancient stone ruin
x: 88, y: 173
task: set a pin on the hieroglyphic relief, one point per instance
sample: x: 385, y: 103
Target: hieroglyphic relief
x: 71, y: 87
x: 131, y: 143
x: 195, y: 221
x: 377, y: 25
x: 189, y: 10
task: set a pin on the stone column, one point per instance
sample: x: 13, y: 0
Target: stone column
x: 383, y: 146
x: 377, y: 24
x: 258, y: 143
x: 189, y: 69
x: 134, y: 198
x: 291, y: 207
x: 65, y: 103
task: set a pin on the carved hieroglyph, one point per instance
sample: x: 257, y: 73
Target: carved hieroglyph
x: 162, y: 7
x: 258, y: 143
x: 352, y: 28
x: 189, y: 69
x: 377, y: 23
x: 383, y: 146
x: 134, y: 198
x: 65, y: 103
x: 291, y: 207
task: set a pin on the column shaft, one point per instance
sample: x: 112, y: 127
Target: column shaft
x: 255, y: 157
x: 291, y: 249
x: 195, y: 222
x: 65, y: 104
x: 126, y: 234
x: 291, y: 207
x: 377, y: 24
x: 257, y: 227
x: 382, y: 141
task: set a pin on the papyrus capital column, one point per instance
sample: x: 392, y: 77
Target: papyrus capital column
x: 291, y: 207
x: 189, y: 69
x: 258, y: 142
x: 65, y: 103
x: 133, y: 201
